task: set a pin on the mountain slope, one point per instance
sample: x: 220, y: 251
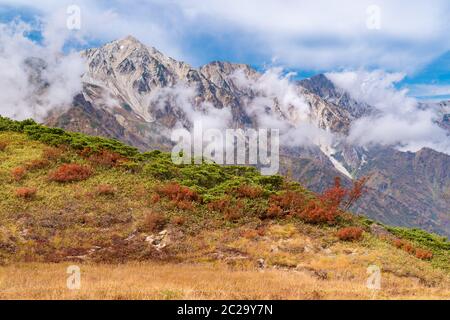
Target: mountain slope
x: 131, y: 206
x: 138, y: 95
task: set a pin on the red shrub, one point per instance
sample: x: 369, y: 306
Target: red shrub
x: 274, y: 211
x: 38, y: 164
x: 70, y: 172
x: 155, y: 198
x: 316, y: 212
x: 335, y: 195
x: 398, y: 243
x: 350, y: 234
x: 106, y: 158
x: 220, y: 205
x: 18, y: 173
x: 26, y: 193
x: 183, y: 204
x: 3, y: 145
x: 248, y: 191
x: 178, y: 220
x: 153, y: 221
x: 52, y: 154
x: 424, y: 254
x: 408, y: 247
x: 357, y: 190
x: 176, y: 192
x: 231, y: 210
x: 235, y: 212
x: 289, y: 200
x: 105, y: 190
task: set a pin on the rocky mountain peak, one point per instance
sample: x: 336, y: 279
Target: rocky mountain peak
x: 327, y: 90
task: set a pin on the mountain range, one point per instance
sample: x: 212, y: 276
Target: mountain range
x: 136, y: 94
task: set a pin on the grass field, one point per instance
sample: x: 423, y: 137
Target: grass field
x: 174, y: 281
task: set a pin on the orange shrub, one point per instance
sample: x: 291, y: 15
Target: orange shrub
x: 153, y: 221
x: 26, y: 193
x: 231, y: 210
x: 324, y: 208
x: 52, y: 154
x: 409, y: 248
x: 18, y: 173
x: 183, y: 204
x: 248, y: 191
x: 398, y: 243
x: 178, y: 220
x: 261, y: 230
x: 289, y: 200
x: 249, y: 234
x: 37, y: 164
x: 424, y: 254
x: 176, y: 192
x: 404, y: 245
x: 220, y: 205
x: 106, y: 158
x: 70, y: 172
x: 155, y: 198
x: 350, y: 234
x: 274, y: 211
x: 317, y: 212
x: 105, y: 190
x: 235, y: 212
x: 3, y: 145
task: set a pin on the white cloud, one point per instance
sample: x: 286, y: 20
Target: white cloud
x: 397, y: 120
x: 278, y: 104
x: 321, y: 34
x: 35, y: 79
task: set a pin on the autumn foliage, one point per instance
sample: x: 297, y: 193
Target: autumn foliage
x: 231, y: 210
x: 105, y: 158
x: 180, y: 197
x: 248, y: 191
x: 52, y: 154
x: 70, y: 172
x: 3, y: 145
x: 37, y: 164
x: 26, y: 193
x: 409, y: 248
x: 423, y: 254
x: 350, y: 233
x: 18, y: 173
x: 324, y: 208
x: 177, y: 192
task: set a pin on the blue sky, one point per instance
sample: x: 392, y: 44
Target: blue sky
x: 307, y: 37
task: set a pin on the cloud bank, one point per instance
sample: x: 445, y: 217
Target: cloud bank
x: 35, y: 78
x: 319, y: 35
x: 398, y: 120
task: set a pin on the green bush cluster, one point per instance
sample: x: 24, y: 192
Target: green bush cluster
x: 429, y: 240
x: 439, y: 245
x: 57, y: 137
x: 209, y: 179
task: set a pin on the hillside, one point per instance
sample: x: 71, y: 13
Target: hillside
x: 199, y: 229
x: 138, y: 95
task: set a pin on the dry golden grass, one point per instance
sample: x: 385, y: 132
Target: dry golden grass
x: 204, y: 281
